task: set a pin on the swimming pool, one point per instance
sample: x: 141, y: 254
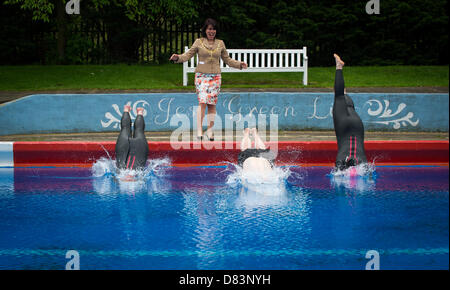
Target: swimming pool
x: 192, y: 218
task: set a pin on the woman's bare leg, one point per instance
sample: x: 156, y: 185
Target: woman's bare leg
x: 200, y: 115
x: 259, y: 144
x: 246, y: 142
x: 210, y: 120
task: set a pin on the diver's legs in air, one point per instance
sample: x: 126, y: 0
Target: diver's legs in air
x: 259, y: 144
x: 122, y: 143
x: 246, y: 142
x: 339, y: 85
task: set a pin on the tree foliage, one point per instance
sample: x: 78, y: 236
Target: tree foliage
x: 405, y: 32
x: 41, y: 9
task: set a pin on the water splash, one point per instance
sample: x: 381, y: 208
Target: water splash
x: 361, y: 177
x: 131, y: 181
x: 157, y: 167
x: 364, y: 169
x: 271, y: 183
x: 258, y: 191
x: 104, y: 149
x: 105, y: 167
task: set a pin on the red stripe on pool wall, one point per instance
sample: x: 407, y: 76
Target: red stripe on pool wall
x: 61, y: 153
x: 185, y: 153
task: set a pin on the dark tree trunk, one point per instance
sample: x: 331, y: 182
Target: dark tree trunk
x: 61, y: 25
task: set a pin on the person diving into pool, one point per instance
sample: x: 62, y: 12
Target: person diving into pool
x: 348, y: 126
x: 131, y: 151
x: 257, y: 160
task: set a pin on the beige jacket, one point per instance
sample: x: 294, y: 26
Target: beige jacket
x: 209, y: 56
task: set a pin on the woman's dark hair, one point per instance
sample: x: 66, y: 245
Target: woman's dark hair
x: 208, y: 22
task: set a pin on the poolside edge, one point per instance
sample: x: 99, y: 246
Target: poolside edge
x: 316, y: 153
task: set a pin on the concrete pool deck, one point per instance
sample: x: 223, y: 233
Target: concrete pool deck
x: 7, y: 96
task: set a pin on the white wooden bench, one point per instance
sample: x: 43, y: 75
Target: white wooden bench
x: 260, y: 60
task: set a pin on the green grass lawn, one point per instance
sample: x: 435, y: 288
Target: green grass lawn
x: 169, y: 76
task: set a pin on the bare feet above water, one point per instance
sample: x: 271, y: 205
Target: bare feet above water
x: 246, y: 132
x: 254, y: 131
x: 339, y: 63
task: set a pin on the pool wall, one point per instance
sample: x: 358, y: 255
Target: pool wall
x: 320, y: 153
x: 6, y: 154
x: 71, y: 113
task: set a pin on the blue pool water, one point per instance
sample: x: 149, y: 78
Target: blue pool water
x: 195, y: 218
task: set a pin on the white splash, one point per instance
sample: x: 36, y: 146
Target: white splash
x: 157, y: 167
x: 271, y: 183
x: 260, y: 191
x: 107, y: 167
x: 103, y: 167
x: 363, y: 169
x: 129, y: 181
x: 360, y: 177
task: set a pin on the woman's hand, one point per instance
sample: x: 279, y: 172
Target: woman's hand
x: 243, y: 65
x: 174, y: 57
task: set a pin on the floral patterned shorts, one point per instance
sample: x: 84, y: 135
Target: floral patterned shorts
x: 207, y: 87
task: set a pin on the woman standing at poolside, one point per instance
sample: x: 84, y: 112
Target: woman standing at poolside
x: 207, y: 73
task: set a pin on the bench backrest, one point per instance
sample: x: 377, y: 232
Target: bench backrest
x: 262, y: 59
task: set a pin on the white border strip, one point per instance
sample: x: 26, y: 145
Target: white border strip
x: 6, y: 154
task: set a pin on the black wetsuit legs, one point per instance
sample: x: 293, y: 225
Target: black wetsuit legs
x: 348, y: 127
x: 122, y: 143
x: 339, y: 84
x: 138, y: 145
x: 131, y: 153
